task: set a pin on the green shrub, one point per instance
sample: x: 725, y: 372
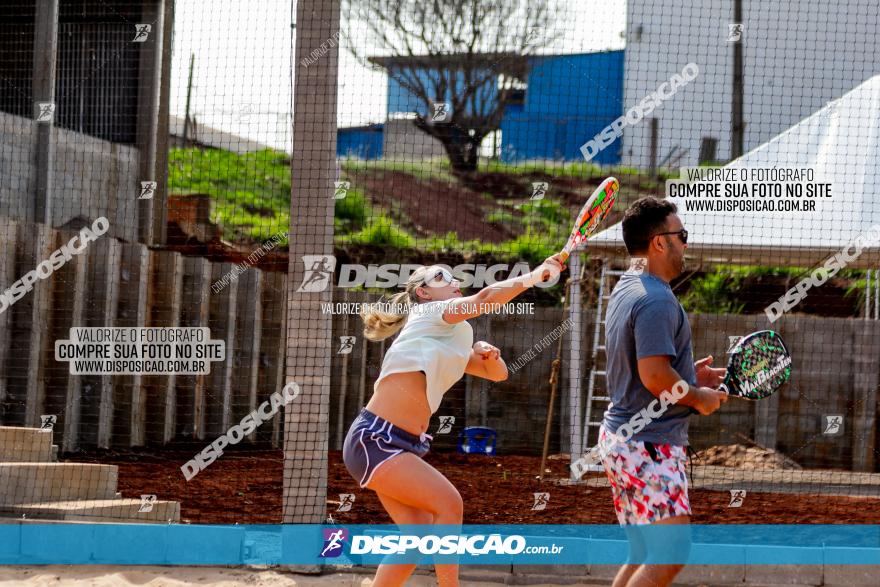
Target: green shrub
x: 714, y: 293
x: 382, y: 231
x: 501, y: 216
x: 251, y: 192
x: 529, y: 246
x: 448, y: 242
x: 546, y: 211
x: 352, y: 211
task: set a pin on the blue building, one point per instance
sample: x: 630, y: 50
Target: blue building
x: 362, y: 142
x: 568, y: 100
x: 555, y: 104
x: 452, y: 67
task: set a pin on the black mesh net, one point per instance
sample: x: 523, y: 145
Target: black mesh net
x: 196, y: 204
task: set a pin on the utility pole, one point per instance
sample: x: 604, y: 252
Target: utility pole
x: 160, y: 199
x: 309, y: 346
x: 737, y: 125
x: 149, y: 134
x: 189, y: 87
x: 44, y: 78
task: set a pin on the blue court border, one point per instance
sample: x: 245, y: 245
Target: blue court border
x: 30, y: 543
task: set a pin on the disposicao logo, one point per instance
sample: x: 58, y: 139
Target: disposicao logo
x: 319, y: 271
x: 334, y: 539
x: 450, y: 544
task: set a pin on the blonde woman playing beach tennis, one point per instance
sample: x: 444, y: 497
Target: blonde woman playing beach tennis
x: 384, y: 447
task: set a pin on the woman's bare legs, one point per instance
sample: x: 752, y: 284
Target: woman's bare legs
x: 403, y: 515
x: 409, y: 481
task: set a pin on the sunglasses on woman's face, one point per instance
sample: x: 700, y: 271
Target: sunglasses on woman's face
x: 682, y: 234
x: 439, y: 275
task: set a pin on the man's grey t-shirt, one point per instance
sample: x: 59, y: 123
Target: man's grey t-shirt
x: 644, y: 319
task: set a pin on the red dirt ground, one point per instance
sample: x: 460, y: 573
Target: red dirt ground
x: 463, y: 205
x: 246, y: 487
x: 464, y: 209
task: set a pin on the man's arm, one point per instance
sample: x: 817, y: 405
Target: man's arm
x: 657, y: 375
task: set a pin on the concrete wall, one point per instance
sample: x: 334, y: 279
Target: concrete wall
x: 836, y: 361
x: 113, y: 283
x: 836, y: 364
x: 790, y: 71
x: 91, y: 178
x: 16, y: 167
x: 834, y: 371
x: 516, y: 408
x: 402, y: 140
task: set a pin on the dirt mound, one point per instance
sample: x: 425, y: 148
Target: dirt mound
x: 431, y: 207
x: 740, y: 456
x: 499, y: 185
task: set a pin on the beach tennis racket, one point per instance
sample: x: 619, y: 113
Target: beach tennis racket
x: 591, y: 215
x: 758, y: 367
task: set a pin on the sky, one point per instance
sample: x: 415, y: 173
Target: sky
x: 242, y: 66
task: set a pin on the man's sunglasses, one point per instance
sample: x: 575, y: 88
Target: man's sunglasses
x: 682, y: 234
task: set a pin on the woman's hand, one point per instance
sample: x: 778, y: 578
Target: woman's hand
x: 498, y: 294
x: 550, y: 268
x: 486, y: 362
x: 486, y: 351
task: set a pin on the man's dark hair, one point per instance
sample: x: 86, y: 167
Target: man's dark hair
x: 643, y: 220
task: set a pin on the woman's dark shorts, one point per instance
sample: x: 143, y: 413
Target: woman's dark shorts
x: 372, y: 441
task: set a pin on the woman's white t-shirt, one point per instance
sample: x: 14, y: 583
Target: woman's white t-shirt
x: 428, y: 343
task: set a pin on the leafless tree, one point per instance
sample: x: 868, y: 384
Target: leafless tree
x: 469, y: 54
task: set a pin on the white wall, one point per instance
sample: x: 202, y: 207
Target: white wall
x: 92, y: 177
x: 798, y: 56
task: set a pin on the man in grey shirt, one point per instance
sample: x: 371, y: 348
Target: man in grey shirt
x: 654, y: 386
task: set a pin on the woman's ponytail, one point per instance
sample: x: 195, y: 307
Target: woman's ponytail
x: 386, y: 318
